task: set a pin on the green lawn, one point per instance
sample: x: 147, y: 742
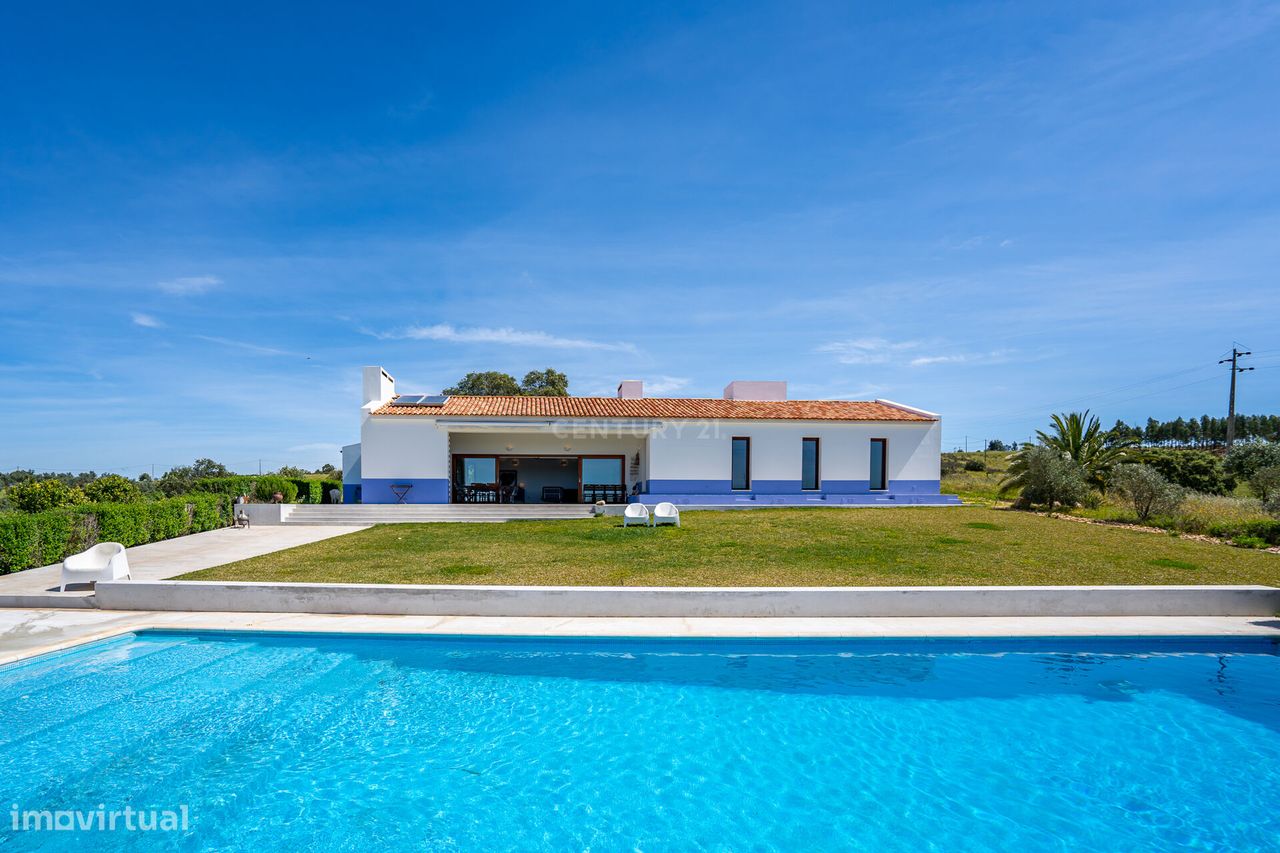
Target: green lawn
x: 766, y: 547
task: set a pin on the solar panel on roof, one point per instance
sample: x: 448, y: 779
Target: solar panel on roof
x: 420, y: 400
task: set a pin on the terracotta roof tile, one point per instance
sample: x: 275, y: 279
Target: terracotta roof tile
x: 660, y: 408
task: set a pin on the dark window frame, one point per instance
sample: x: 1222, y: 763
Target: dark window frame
x: 747, y: 457
x: 817, y: 464
x: 884, y: 465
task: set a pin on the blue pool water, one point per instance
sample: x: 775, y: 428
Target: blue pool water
x: 359, y: 743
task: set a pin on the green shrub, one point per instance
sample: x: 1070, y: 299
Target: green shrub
x: 1265, y: 530
x: 268, y: 485
x: 1146, y: 490
x: 1246, y: 459
x: 38, y: 539
x: 1265, y: 483
x: 1197, y: 470
x: 1250, y: 542
x: 309, y: 491
x: 975, y: 465
x: 1047, y: 477
x: 232, y: 486
x: 112, y: 488
x: 327, y: 487
x: 41, y: 495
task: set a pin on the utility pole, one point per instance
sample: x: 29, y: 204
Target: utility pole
x: 1236, y: 353
x: 1232, y: 397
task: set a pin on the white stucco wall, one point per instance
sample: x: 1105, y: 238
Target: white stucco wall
x: 351, y: 463
x: 403, y: 447
x: 687, y: 450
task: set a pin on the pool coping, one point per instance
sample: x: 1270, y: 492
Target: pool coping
x: 72, y: 635
x: 687, y: 602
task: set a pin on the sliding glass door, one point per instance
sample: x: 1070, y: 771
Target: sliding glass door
x: 601, y: 479
x: 475, y: 479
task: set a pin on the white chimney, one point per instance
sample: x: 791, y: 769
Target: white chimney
x: 379, y: 387
x: 631, y: 389
x: 741, y: 389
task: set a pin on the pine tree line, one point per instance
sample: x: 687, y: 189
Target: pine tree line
x: 1204, y: 431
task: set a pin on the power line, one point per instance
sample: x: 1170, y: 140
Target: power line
x: 1094, y: 397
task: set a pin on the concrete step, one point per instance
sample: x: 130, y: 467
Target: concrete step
x: 427, y: 513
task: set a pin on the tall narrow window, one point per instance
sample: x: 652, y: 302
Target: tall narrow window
x: 808, y: 463
x: 879, y: 448
x: 741, y: 479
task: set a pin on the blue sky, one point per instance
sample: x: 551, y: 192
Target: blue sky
x: 212, y: 215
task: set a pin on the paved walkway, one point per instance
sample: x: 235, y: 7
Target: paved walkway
x: 167, y: 559
x: 24, y: 633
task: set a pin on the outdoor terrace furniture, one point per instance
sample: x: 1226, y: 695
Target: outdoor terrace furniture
x: 612, y: 493
x: 666, y: 513
x: 401, y: 491
x: 105, y: 561
x: 480, y: 494
x: 552, y: 494
x: 635, y: 514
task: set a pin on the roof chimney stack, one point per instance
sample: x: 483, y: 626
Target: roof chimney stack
x: 631, y: 389
x: 378, y: 386
x: 769, y: 392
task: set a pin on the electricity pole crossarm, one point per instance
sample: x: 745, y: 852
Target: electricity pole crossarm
x: 1236, y: 354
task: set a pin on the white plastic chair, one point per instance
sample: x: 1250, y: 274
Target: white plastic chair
x: 666, y: 513
x: 105, y: 561
x: 635, y: 514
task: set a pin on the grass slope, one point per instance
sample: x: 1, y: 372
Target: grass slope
x: 766, y: 547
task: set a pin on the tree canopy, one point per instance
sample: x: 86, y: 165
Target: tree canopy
x: 494, y: 383
x: 1204, y: 431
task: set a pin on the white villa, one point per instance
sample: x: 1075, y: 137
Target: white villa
x: 754, y: 447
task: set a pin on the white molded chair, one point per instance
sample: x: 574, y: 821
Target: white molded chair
x: 635, y: 514
x: 666, y: 513
x: 105, y: 561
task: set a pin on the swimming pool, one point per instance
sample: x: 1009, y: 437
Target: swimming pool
x: 299, y: 742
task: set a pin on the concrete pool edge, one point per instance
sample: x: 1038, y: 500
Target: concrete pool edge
x: 33, y: 633
x: 685, y: 602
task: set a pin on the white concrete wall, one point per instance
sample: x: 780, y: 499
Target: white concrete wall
x: 377, y: 386
x: 403, y: 448
x: 689, y: 450
x: 689, y: 601
x: 351, y: 463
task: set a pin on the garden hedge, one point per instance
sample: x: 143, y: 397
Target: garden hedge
x: 42, y: 538
x: 262, y: 487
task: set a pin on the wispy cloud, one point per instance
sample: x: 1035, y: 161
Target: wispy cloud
x: 992, y: 357
x: 665, y: 385
x: 316, y: 447
x: 244, y: 345
x: 193, y: 285
x: 881, y: 351
x: 508, y: 336
x: 145, y: 320
x: 867, y: 350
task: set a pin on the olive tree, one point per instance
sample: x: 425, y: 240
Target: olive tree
x: 1046, y: 476
x: 1146, y: 490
